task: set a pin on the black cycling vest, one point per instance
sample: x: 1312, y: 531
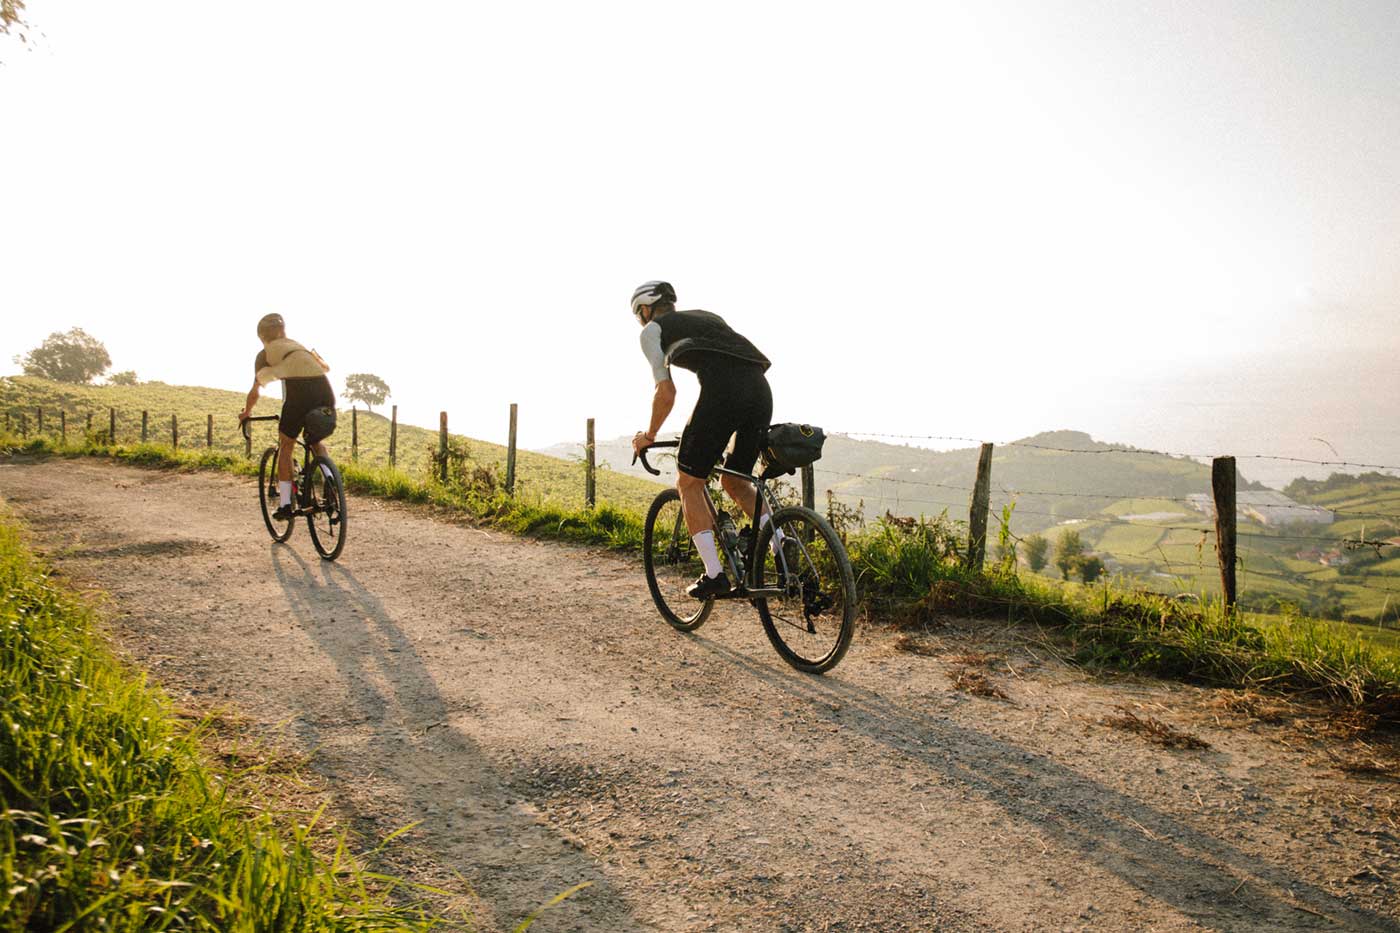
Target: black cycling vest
x: 695, y: 339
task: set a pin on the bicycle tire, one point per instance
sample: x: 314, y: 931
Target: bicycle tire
x: 267, y: 495
x: 672, y: 564
x: 820, y: 640
x: 328, y: 520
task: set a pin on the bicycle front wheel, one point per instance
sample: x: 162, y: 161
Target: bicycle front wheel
x: 672, y: 564
x: 268, y: 498
x: 812, y: 623
x: 326, y: 502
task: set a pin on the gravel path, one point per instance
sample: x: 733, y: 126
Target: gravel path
x: 524, y: 701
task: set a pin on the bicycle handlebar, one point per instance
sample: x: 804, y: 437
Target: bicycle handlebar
x: 243, y: 424
x: 647, y: 466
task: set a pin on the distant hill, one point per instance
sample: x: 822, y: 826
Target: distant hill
x: 1048, y: 484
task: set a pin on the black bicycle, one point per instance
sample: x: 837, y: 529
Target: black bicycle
x: 804, y: 589
x: 317, y: 492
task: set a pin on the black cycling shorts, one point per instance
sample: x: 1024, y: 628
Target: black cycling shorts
x: 299, y: 396
x: 734, y: 403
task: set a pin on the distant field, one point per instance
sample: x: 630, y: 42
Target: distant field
x: 548, y: 478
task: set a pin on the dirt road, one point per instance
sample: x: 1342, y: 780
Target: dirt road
x: 525, y: 702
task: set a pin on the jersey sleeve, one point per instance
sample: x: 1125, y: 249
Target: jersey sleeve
x: 262, y: 371
x: 651, y: 349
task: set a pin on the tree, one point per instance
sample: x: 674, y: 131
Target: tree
x: 126, y: 377
x: 72, y: 357
x: 1068, y: 551
x: 1090, y: 569
x: 1037, y: 552
x: 367, y: 388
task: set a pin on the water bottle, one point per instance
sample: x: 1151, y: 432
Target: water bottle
x: 728, y: 533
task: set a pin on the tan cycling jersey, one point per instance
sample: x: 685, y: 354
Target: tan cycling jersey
x: 284, y: 358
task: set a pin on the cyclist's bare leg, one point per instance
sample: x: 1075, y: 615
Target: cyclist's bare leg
x: 319, y: 449
x: 697, y: 513
x: 741, y: 491
x: 285, y: 450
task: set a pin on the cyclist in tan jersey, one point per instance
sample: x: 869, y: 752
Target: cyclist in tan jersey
x: 308, y: 402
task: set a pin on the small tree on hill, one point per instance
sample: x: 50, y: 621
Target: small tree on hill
x: 1037, y: 552
x: 1069, y: 549
x: 1090, y: 569
x: 367, y: 388
x: 74, y: 356
x: 126, y: 377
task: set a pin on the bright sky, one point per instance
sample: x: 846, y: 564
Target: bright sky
x: 983, y: 219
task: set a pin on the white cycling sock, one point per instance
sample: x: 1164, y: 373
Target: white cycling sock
x: 705, y: 544
x: 777, y: 543
x: 284, y: 492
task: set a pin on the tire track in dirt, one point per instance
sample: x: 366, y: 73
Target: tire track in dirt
x: 525, y: 703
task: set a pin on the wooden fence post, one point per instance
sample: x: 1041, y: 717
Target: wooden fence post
x: 442, y: 446
x: 144, y: 436
x: 977, y: 517
x: 7, y: 421
x: 89, y: 424
x: 63, y: 425
x: 510, y: 453
x: 39, y: 419
x: 809, y: 487
x: 209, y: 432
x: 23, y: 425
x: 394, y: 437
x: 111, y: 426
x: 1222, y: 484
x: 590, y: 487
x: 175, y: 432
x: 354, y: 433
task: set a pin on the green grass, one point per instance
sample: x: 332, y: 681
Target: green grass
x: 110, y: 817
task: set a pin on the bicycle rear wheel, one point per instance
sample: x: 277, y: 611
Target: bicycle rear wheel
x: 672, y: 564
x: 326, y: 500
x: 811, y: 625
x: 268, y: 498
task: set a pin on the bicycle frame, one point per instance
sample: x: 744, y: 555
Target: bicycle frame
x: 303, y: 474
x: 763, y: 500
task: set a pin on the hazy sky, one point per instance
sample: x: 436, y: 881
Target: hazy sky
x: 1170, y: 224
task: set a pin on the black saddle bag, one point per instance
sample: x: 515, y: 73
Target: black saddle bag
x: 789, y: 447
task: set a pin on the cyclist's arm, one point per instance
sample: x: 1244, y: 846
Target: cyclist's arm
x: 661, y: 404
x: 252, y: 400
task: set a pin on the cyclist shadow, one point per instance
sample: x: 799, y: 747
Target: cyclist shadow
x: 444, y: 777
x: 1155, y: 852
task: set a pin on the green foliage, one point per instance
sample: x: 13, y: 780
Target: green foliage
x: 73, y: 356
x: 1089, y: 568
x: 110, y: 818
x: 1037, y: 552
x: 1068, y: 550
x: 367, y: 388
x: 126, y: 377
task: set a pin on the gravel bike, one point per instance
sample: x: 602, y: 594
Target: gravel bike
x: 804, y: 590
x: 317, y: 492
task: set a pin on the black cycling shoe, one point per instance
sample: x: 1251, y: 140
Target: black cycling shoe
x: 284, y: 513
x: 709, y: 587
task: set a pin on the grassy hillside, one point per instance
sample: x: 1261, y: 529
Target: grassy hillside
x: 537, y: 476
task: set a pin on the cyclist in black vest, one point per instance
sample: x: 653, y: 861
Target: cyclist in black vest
x: 735, y: 401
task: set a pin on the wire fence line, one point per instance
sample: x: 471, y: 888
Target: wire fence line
x: 1119, y: 450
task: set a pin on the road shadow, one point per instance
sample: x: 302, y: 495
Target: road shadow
x: 1165, y: 858
x: 446, y: 779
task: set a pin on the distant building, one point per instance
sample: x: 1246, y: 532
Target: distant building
x: 1266, y: 508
